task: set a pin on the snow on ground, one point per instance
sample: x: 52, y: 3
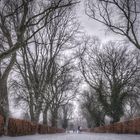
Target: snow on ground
x: 74, y: 136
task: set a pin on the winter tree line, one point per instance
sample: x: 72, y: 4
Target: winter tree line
x: 112, y: 70
x: 45, y: 58
x: 35, y: 73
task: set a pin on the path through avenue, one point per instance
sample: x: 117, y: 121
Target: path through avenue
x: 82, y: 136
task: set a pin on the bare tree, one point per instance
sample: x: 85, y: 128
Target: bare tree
x: 5, y: 68
x: 92, y: 109
x: 112, y: 72
x: 119, y: 16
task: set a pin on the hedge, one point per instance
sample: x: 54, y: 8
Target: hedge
x: 17, y: 127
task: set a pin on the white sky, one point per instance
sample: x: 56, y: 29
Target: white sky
x: 92, y: 27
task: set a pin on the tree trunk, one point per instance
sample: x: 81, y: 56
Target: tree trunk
x: 45, y: 116
x: 4, y: 104
x: 32, y: 113
x: 54, y: 122
x: 32, y: 117
x: 35, y: 116
x: 54, y: 119
x: 34, y: 110
x: 65, y: 123
x: 115, y: 119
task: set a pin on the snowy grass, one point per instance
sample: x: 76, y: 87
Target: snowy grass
x: 74, y: 136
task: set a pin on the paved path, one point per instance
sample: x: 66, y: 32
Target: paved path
x: 82, y: 136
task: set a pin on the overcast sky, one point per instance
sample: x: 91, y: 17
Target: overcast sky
x: 91, y: 26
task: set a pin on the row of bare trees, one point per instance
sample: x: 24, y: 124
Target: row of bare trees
x: 112, y: 73
x: 34, y: 35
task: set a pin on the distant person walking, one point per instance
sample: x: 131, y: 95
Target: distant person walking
x: 79, y: 129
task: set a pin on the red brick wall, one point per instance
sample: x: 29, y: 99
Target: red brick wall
x: 1, y: 125
x: 18, y: 127
x: 42, y: 129
x: 131, y: 127
x: 60, y: 130
x: 51, y: 130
